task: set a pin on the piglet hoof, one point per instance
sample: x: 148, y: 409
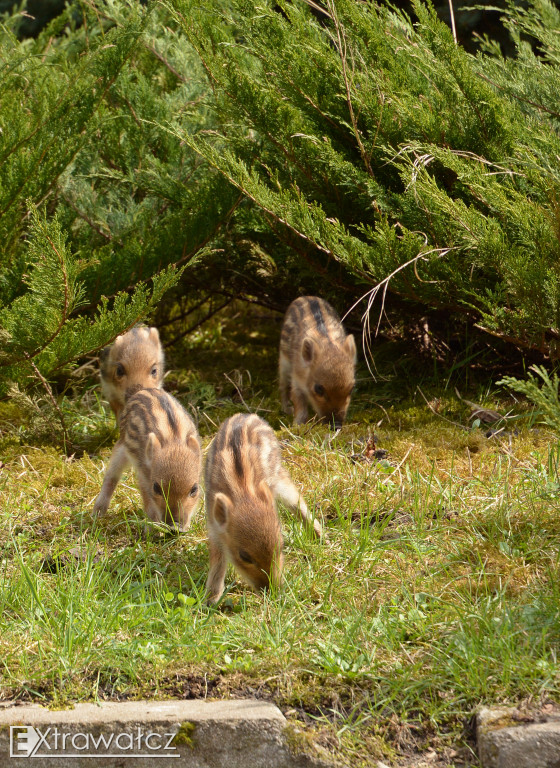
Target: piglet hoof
x: 212, y: 600
x: 99, y: 508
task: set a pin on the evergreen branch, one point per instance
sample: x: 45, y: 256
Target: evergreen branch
x: 186, y: 257
x: 342, y: 49
x: 69, y: 294
x: 196, y: 325
x: 252, y: 196
x: 86, y: 218
x: 55, y: 140
x: 195, y: 44
x: 544, y: 397
x: 517, y: 97
x: 61, y: 102
x: 164, y: 61
x: 316, y: 107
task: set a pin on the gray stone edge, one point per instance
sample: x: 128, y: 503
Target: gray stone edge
x: 221, y: 726
x: 506, y: 736
x: 192, y: 710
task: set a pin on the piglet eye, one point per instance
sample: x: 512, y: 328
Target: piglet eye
x: 245, y: 557
x: 119, y: 371
x: 319, y: 390
x: 157, y: 489
x: 194, y: 490
x: 154, y: 372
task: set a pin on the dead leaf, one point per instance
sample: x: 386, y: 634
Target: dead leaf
x: 370, y: 448
x: 82, y: 554
x: 370, y: 453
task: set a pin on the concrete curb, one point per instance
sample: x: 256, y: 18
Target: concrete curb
x: 151, y: 734
x: 508, y: 738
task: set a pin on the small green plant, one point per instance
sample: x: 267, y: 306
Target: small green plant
x: 544, y: 395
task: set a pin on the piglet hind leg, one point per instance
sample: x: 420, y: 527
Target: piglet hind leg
x: 118, y: 463
x: 217, y: 574
x: 286, y: 491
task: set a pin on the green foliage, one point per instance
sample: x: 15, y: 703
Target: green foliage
x: 373, y: 142
x: 53, y: 293
x: 324, y: 155
x: 544, y: 396
x: 41, y: 333
x: 95, y: 200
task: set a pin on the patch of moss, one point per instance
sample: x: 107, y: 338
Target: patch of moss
x: 185, y: 734
x: 60, y: 703
x: 298, y: 740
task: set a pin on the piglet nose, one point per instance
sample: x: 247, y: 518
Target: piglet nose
x: 335, y: 421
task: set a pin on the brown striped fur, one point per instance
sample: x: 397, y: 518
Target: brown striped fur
x: 317, y: 361
x: 160, y: 440
x: 244, y: 476
x: 134, y: 361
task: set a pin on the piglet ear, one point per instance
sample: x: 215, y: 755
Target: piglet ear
x: 221, y: 509
x: 118, y: 341
x: 152, y: 446
x: 308, y: 351
x: 350, y: 347
x: 192, y: 442
x: 154, y: 335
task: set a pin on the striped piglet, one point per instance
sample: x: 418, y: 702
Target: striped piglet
x: 244, y: 476
x: 160, y: 440
x: 317, y: 361
x: 134, y: 361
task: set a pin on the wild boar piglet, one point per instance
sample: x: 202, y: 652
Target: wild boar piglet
x: 317, y: 362
x: 244, y: 476
x: 159, y: 438
x: 134, y: 361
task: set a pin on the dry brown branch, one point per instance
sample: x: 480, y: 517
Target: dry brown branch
x: 196, y: 325
x: 453, y: 27
x: 371, y: 296
x: 50, y: 395
x: 86, y: 218
x: 449, y: 421
x: 343, y: 53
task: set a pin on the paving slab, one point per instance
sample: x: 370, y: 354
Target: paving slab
x: 152, y: 734
x: 509, y: 738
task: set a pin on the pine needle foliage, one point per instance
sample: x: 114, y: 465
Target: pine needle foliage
x: 100, y: 209
x: 320, y: 154
x: 376, y: 142
x: 41, y: 332
x: 543, y: 395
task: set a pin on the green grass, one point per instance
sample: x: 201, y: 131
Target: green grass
x: 435, y: 590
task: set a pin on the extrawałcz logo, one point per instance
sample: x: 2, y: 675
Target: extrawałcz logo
x: 29, y: 741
